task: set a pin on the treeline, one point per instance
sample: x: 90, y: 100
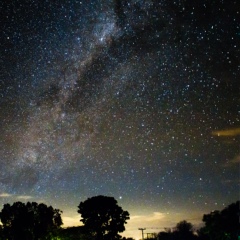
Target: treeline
x: 103, y: 219
x: 218, y: 225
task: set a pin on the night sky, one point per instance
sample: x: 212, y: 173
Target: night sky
x: 139, y: 100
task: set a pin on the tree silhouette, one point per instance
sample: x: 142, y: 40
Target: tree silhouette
x: 182, y: 231
x: 184, y: 227
x: 102, y: 217
x: 222, y: 224
x: 30, y: 221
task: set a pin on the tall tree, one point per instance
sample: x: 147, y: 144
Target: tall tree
x: 29, y: 221
x: 223, y: 224
x: 102, y: 217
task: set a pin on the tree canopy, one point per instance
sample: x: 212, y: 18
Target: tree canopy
x: 223, y: 224
x: 29, y: 221
x: 102, y: 217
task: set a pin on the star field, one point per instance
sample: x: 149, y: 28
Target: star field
x: 134, y: 99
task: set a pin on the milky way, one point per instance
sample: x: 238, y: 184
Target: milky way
x: 134, y: 99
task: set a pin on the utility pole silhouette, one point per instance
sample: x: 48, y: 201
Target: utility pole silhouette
x: 142, y: 229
